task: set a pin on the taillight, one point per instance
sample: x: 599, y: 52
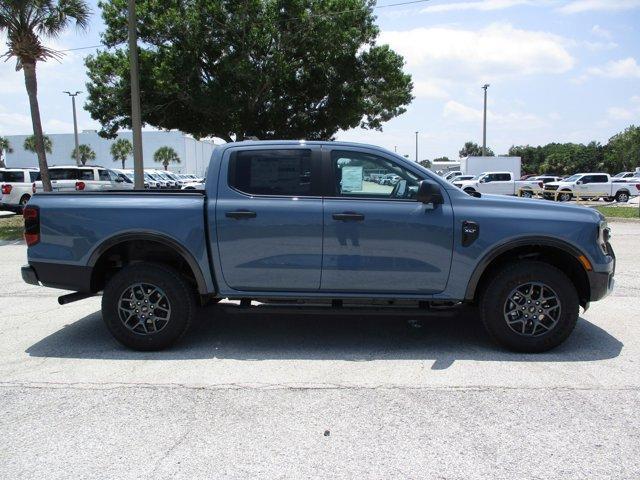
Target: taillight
x: 638, y: 186
x: 80, y: 186
x: 33, y: 188
x: 6, y: 189
x: 31, y: 225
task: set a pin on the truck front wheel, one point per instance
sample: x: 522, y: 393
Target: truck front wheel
x: 529, y: 307
x: 148, y: 306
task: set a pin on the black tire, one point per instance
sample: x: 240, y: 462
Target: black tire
x: 180, y: 301
x: 622, y: 197
x: 25, y: 198
x: 564, y: 196
x: 526, y: 194
x: 494, y: 304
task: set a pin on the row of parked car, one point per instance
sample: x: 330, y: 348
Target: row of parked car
x: 620, y: 187
x: 19, y: 184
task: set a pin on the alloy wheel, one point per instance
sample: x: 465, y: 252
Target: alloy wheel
x: 532, y: 309
x: 144, y: 308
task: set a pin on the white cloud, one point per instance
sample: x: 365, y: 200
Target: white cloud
x: 428, y: 89
x: 628, y: 112
x: 460, y: 112
x: 625, y: 68
x: 482, y: 5
x: 579, y: 6
x: 494, y: 51
x: 598, y: 31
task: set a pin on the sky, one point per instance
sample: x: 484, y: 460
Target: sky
x: 559, y: 71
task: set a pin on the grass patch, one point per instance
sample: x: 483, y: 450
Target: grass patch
x: 619, y: 212
x: 11, y: 228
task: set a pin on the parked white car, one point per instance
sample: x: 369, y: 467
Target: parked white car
x: 16, y: 187
x: 500, y: 183
x: 591, y: 185
x: 194, y: 185
x: 70, y: 178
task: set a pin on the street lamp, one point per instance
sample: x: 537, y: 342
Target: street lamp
x: 75, y: 125
x: 416, y: 147
x: 484, y: 123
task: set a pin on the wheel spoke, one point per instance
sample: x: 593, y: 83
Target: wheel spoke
x: 138, y: 308
x: 532, y: 309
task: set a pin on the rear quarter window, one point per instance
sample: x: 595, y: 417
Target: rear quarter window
x: 12, y: 176
x: 64, y: 174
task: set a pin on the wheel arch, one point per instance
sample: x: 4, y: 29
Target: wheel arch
x: 119, y: 244
x: 551, y: 250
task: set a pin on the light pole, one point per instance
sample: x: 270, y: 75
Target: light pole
x: 416, y: 147
x: 75, y: 125
x: 484, y: 122
x: 136, y: 121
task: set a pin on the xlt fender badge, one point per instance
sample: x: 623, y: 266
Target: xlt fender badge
x: 470, y: 231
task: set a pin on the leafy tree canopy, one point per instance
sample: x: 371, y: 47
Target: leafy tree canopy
x: 442, y: 159
x: 472, y: 149
x: 86, y: 154
x: 121, y: 149
x: 30, y: 144
x: 264, y: 68
x: 165, y: 156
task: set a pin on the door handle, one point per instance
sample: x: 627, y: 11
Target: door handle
x: 241, y: 214
x: 348, y: 217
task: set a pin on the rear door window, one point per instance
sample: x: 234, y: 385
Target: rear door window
x: 103, y: 175
x: 281, y: 172
x: 503, y: 177
x: 86, y: 174
x: 599, y: 179
x: 64, y: 174
x: 12, y: 176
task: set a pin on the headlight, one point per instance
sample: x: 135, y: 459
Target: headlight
x: 604, y: 235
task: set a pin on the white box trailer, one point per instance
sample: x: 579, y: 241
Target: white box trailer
x: 478, y: 165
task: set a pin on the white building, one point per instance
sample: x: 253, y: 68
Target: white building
x: 194, y: 154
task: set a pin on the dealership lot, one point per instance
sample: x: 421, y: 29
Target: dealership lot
x: 306, y: 396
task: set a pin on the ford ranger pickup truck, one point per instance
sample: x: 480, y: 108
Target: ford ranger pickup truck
x: 301, y: 225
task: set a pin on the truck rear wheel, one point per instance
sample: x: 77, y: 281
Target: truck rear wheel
x: 148, y: 306
x: 529, y: 307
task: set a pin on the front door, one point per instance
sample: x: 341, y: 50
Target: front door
x: 269, y: 219
x: 377, y: 237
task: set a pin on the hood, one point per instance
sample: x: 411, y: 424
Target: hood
x: 531, y: 207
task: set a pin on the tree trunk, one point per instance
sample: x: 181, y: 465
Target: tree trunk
x: 165, y: 166
x: 31, y: 83
x: 123, y: 162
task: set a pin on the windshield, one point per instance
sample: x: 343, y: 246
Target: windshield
x: 572, y: 178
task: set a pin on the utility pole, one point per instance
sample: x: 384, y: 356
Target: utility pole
x: 484, y: 123
x: 416, y: 147
x: 76, y: 152
x: 395, y: 148
x: 136, y: 121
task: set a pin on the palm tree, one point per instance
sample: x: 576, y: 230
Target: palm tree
x: 85, y: 154
x: 121, y: 149
x: 5, y: 147
x: 30, y: 144
x: 26, y: 23
x: 165, y: 156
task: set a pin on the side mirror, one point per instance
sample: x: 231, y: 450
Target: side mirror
x: 579, y: 182
x: 119, y: 180
x: 429, y: 192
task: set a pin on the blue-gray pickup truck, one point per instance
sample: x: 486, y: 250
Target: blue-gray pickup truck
x: 309, y: 224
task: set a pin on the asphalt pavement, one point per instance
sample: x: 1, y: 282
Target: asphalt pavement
x: 300, y: 396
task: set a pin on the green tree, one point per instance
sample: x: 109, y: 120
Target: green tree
x: 442, y: 159
x: 5, y: 147
x: 622, y: 153
x: 86, y: 154
x: 31, y: 144
x: 263, y: 68
x: 472, y: 149
x: 26, y: 23
x: 165, y: 156
x: 121, y: 149
x: 425, y: 163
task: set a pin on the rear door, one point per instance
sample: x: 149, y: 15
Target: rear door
x: 63, y: 179
x: 269, y: 218
x: 378, y: 238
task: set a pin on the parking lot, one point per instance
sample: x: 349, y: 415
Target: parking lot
x: 306, y: 396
